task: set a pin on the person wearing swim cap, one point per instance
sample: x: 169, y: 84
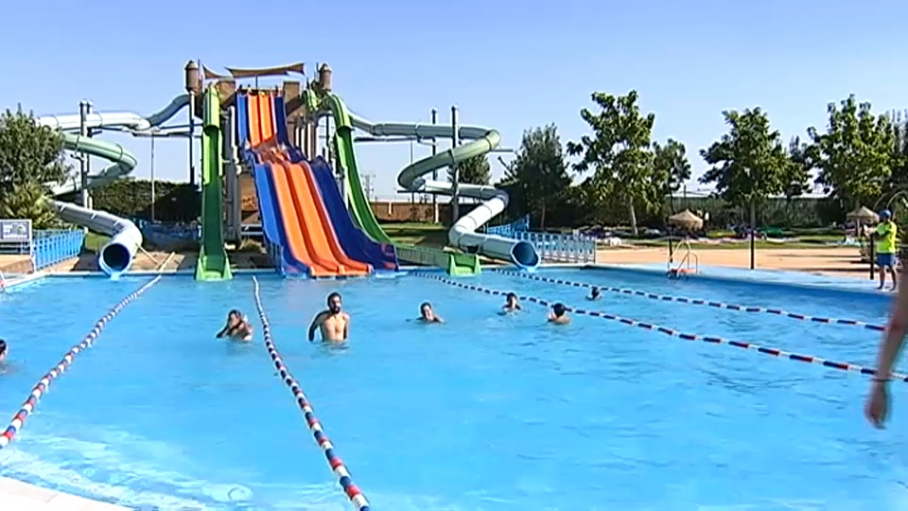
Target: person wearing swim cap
x: 333, y: 323
x: 559, y: 315
x: 886, y: 246
x: 237, y: 328
x: 427, y: 314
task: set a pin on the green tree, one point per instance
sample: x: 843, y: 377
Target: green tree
x: 474, y: 171
x: 618, y: 152
x: 29, y: 152
x: 796, y: 177
x: 670, y: 164
x: 538, y: 177
x: 853, y: 156
x: 749, y: 163
x: 28, y: 201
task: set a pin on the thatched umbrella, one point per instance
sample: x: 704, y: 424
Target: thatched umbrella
x: 686, y: 220
x: 863, y: 215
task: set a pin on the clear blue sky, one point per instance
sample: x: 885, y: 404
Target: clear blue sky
x: 508, y: 65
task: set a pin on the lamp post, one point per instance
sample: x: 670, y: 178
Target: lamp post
x: 83, y: 156
x: 435, y: 172
x: 152, y: 175
x: 455, y: 172
x: 192, y: 84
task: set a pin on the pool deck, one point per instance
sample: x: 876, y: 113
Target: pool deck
x: 18, y: 496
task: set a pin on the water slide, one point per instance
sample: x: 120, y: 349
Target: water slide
x: 117, y: 255
x: 355, y: 243
x: 463, y: 233
x: 213, y: 263
x: 306, y: 234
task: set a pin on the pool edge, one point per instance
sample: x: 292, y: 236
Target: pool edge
x: 16, y: 495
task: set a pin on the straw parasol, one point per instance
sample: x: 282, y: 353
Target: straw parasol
x: 686, y: 220
x: 863, y: 215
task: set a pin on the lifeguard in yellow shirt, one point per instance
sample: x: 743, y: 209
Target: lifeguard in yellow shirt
x: 886, y: 246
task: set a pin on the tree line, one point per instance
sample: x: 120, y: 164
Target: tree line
x: 860, y: 158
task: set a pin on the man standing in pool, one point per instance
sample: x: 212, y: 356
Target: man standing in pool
x: 333, y: 323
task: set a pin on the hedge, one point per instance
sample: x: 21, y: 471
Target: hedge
x: 174, y: 202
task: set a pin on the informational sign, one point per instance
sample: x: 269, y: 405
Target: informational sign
x: 15, y: 231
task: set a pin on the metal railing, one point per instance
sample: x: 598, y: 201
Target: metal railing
x: 684, y: 266
x: 565, y: 248
x: 55, y: 246
x: 508, y: 230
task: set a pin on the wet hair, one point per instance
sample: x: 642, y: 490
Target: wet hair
x: 423, y: 305
x: 510, y: 295
x: 2, y: 346
x: 235, y: 312
x: 558, y: 309
x: 595, y: 291
x: 332, y: 296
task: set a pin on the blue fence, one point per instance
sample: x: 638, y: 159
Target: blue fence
x: 53, y: 247
x: 168, y: 234
x: 509, y: 230
x: 563, y: 248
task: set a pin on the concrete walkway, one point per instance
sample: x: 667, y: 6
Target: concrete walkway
x: 18, y: 496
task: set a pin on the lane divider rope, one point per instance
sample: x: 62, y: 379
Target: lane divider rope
x: 842, y: 366
x: 697, y: 301
x: 43, y: 385
x: 337, y: 466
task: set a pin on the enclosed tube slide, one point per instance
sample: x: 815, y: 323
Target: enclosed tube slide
x: 117, y: 255
x: 463, y: 234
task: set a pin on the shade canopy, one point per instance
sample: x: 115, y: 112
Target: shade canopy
x: 686, y: 219
x: 863, y: 214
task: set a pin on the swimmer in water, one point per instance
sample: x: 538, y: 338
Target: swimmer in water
x: 427, y: 315
x: 333, y: 323
x: 237, y: 327
x: 511, y: 303
x: 559, y: 315
x: 594, y: 294
x: 3, y: 350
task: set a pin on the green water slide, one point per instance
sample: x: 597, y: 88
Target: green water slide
x: 456, y: 263
x: 213, y: 263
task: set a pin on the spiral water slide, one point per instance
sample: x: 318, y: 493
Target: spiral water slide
x: 117, y: 255
x: 463, y: 233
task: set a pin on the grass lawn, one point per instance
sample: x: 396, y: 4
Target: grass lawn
x: 425, y: 235
x: 760, y: 244
x: 94, y: 242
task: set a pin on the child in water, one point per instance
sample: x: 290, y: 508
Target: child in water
x: 237, y: 327
x: 427, y: 315
x: 559, y: 315
x: 511, y: 304
x: 594, y: 294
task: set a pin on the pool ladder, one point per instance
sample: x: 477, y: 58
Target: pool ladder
x: 689, y: 265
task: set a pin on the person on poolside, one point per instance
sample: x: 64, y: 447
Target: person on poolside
x: 511, y: 303
x: 594, y: 294
x: 887, y: 234
x: 876, y: 409
x: 427, y: 314
x: 333, y: 323
x: 237, y: 328
x: 559, y: 315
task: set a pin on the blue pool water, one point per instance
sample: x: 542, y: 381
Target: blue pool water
x: 486, y: 412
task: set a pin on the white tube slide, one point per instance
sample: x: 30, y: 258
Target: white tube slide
x: 117, y: 255
x: 463, y: 234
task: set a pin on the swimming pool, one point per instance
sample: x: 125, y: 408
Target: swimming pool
x: 486, y: 412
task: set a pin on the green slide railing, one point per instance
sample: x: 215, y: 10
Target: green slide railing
x: 455, y: 263
x: 213, y: 263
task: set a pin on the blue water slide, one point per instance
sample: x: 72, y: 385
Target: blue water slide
x: 272, y: 224
x: 354, y: 241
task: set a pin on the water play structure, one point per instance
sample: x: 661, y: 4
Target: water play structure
x: 316, y: 217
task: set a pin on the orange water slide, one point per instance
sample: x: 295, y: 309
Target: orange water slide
x: 310, y: 235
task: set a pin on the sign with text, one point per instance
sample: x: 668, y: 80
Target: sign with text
x: 15, y: 231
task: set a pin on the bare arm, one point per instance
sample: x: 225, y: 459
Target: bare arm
x: 894, y: 337
x: 223, y: 331
x: 316, y: 322
x: 346, y: 326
